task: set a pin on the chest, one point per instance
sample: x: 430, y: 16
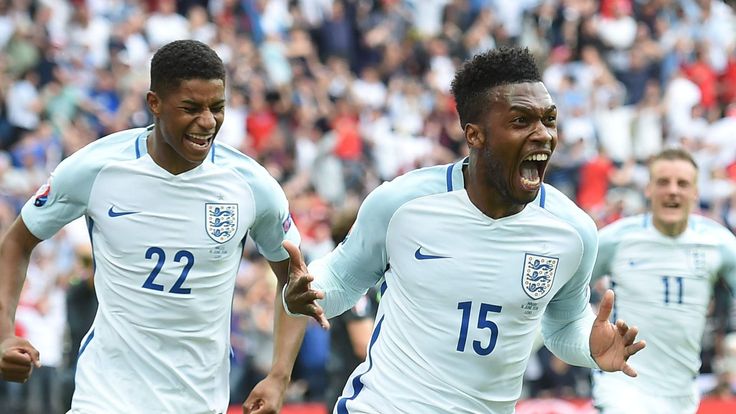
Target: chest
x: 209, y: 216
x: 519, y: 263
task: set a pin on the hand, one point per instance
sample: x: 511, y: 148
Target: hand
x: 298, y: 295
x: 18, y: 358
x: 267, y: 397
x: 612, y: 345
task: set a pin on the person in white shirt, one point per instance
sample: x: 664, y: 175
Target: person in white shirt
x: 474, y: 257
x: 662, y: 266
x: 168, y: 212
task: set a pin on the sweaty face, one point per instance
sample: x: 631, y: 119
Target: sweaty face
x: 672, y: 191
x: 188, y: 119
x: 520, y: 133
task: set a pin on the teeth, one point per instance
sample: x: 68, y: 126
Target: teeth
x: 536, y: 157
x: 530, y: 183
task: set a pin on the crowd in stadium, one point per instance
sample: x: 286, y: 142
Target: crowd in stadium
x: 334, y: 97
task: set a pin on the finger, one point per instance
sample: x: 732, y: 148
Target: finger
x: 296, y: 261
x: 35, y: 357
x: 310, y: 296
x: 628, y: 370
x: 622, y: 327
x: 630, y: 335
x: 319, y: 315
x: 605, y: 307
x: 301, y: 282
x: 17, y: 357
x: 250, y: 406
x: 16, y: 369
x: 636, y: 347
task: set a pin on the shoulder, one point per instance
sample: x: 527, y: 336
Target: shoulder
x: 92, y: 157
x: 708, y: 226
x: 561, y: 207
x: 389, y: 196
x: 625, y: 226
x: 228, y: 157
x: 710, y: 231
x: 246, y: 168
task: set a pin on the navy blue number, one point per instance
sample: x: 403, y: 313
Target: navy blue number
x: 465, y: 306
x: 666, y: 281
x: 483, y: 323
x: 148, y: 284
x: 177, y: 288
x: 183, y: 254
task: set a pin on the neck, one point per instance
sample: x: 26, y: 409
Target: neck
x: 485, y: 196
x: 669, y: 229
x: 156, y: 147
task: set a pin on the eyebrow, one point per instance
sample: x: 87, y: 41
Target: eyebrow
x: 191, y: 102
x: 523, y: 108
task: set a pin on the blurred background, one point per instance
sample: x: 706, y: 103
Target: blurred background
x: 335, y: 96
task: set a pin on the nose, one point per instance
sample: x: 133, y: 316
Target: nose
x: 543, y: 133
x: 207, y: 120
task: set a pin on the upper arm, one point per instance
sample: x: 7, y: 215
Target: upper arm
x: 362, y: 255
x: 572, y: 299
x: 273, y: 223
x: 607, y: 243
x: 728, y: 254
x: 20, y: 237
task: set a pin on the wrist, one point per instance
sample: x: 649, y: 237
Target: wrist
x: 280, y: 375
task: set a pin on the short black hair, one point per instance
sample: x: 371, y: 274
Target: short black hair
x: 495, y: 67
x: 183, y: 60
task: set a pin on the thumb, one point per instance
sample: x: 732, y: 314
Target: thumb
x: 605, y: 307
x: 296, y: 261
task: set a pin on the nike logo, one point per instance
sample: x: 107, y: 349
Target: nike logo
x: 113, y: 213
x: 418, y: 254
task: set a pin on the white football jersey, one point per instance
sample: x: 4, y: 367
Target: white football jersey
x: 663, y: 286
x: 464, y: 294
x: 166, y: 252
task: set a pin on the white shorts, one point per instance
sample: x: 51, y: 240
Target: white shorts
x: 614, y: 394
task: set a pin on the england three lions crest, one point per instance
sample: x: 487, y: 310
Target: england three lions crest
x: 538, y: 274
x: 222, y: 221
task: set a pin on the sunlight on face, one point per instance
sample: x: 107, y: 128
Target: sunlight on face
x: 673, y: 191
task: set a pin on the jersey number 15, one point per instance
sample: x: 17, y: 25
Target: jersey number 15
x: 483, y: 323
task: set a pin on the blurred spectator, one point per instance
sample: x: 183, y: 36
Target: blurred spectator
x: 336, y: 96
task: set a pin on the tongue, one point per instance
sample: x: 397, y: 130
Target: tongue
x: 529, y: 170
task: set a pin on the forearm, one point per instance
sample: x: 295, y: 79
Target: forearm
x: 569, y: 339
x: 288, y: 336
x: 13, y: 266
x: 341, y: 291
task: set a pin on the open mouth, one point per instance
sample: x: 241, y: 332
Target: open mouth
x: 200, y: 141
x: 531, y: 171
x: 671, y: 205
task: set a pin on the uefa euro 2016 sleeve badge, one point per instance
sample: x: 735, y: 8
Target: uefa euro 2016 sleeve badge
x: 538, y: 274
x: 221, y: 220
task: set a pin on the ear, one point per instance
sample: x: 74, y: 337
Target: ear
x: 474, y: 136
x: 154, y: 103
x: 648, y: 190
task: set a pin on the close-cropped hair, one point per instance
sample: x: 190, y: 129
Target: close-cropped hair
x: 183, y: 60
x: 673, y: 154
x: 484, y: 71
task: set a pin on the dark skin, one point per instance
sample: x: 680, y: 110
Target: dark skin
x: 520, y: 122
x: 186, y: 122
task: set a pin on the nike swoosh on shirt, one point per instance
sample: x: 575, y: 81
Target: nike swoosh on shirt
x: 112, y: 213
x: 418, y: 254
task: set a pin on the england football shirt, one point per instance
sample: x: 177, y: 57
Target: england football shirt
x: 166, y: 252
x: 464, y: 294
x: 663, y: 286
